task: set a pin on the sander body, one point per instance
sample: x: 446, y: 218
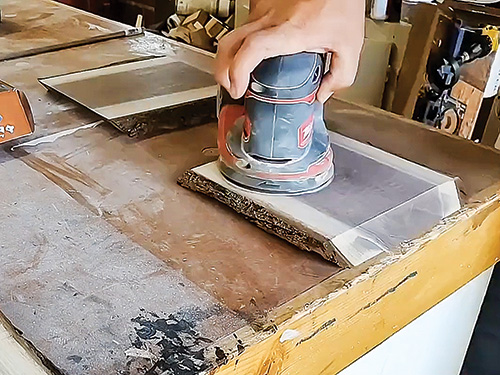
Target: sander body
x: 276, y: 141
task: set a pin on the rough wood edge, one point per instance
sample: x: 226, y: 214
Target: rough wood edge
x: 374, y: 299
x: 157, y: 121
x: 260, y: 216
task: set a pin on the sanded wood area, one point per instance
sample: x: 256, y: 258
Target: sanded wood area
x: 37, y: 26
x: 477, y: 166
x: 375, y: 202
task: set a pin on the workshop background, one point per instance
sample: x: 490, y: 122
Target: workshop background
x: 433, y: 62
x: 406, y: 43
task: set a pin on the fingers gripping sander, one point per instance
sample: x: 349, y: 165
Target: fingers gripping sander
x: 277, y: 142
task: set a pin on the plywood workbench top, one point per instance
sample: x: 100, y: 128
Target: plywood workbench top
x: 108, y: 266
x: 33, y: 27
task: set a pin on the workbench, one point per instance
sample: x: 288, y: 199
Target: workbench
x: 109, y: 267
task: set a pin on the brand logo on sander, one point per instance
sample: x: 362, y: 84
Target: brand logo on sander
x: 306, y: 132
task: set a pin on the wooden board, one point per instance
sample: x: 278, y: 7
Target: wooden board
x: 397, y: 34
x: 492, y: 126
x: 375, y: 203
x: 136, y: 95
x: 425, y: 22
x: 381, y: 61
x: 33, y: 27
x: 472, y: 98
x: 54, y: 113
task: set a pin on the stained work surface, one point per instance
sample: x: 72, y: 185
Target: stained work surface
x: 81, y: 291
x: 132, y: 185
x: 29, y: 26
x: 107, y: 232
x: 102, y: 240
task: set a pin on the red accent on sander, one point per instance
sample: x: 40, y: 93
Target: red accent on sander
x: 276, y: 140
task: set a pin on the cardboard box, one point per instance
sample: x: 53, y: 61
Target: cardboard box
x: 16, y: 118
x: 380, y: 64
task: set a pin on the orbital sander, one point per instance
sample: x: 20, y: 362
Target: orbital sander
x: 276, y: 141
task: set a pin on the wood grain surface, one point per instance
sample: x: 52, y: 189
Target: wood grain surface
x: 32, y: 27
x: 144, y: 242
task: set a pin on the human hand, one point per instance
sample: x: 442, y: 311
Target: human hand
x: 284, y: 27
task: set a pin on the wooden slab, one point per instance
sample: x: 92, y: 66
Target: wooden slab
x: 136, y: 87
x: 376, y: 202
x: 54, y: 113
x: 472, y: 98
x: 141, y: 95
x: 33, y: 27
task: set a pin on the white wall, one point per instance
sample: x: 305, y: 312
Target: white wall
x: 433, y: 344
